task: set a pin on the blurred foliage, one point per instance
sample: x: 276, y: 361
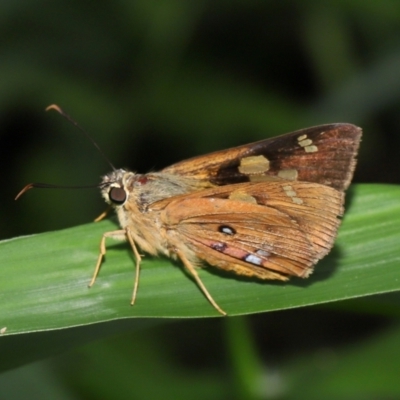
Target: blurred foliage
x: 155, y: 82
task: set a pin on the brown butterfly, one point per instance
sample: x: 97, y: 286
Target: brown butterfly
x: 268, y: 209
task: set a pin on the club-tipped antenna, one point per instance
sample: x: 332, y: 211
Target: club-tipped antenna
x: 70, y: 119
x: 51, y: 186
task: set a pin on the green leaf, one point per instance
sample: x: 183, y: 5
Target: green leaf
x: 43, y: 278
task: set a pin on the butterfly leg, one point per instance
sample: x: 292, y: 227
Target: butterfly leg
x: 191, y: 269
x: 103, y: 214
x: 138, y: 259
x: 119, y: 235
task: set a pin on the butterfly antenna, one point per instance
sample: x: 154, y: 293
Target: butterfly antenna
x: 51, y: 186
x: 70, y: 119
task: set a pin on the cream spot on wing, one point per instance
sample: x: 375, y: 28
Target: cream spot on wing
x: 290, y: 192
x: 307, y: 144
x: 289, y: 174
x: 311, y: 149
x: 263, y: 253
x: 3, y: 330
x: 242, y: 196
x: 254, y: 165
x: 297, y: 200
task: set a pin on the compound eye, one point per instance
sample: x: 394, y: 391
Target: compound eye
x: 117, y: 195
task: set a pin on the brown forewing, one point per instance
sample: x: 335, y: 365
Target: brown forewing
x: 329, y: 158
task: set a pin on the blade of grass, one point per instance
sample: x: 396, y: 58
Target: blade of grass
x: 43, y: 278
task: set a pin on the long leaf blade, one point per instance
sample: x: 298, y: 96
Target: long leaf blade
x: 43, y: 278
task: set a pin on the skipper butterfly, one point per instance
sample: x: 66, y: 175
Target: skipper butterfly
x: 269, y: 209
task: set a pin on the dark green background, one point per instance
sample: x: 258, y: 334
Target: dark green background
x: 155, y: 82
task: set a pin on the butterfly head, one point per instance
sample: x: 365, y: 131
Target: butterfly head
x: 114, y: 187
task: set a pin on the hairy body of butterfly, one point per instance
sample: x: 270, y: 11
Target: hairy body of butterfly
x: 269, y: 209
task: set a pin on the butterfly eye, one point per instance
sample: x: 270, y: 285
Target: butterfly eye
x: 117, y: 195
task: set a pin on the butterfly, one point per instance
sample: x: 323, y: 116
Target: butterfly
x: 268, y: 210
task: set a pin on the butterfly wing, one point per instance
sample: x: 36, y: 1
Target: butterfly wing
x: 323, y: 154
x: 269, y: 230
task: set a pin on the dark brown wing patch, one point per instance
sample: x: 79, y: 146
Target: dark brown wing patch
x: 323, y: 154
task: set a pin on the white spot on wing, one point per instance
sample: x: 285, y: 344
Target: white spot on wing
x: 251, y: 258
x: 227, y: 230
